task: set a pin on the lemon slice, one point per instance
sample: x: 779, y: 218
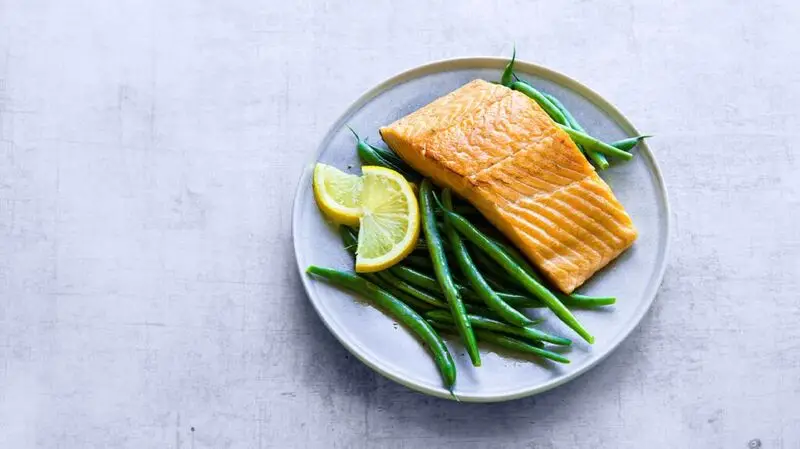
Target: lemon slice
x: 338, y: 194
x: 389, y: 225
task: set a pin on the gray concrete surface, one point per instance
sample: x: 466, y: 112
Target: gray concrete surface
x: 149, y: 150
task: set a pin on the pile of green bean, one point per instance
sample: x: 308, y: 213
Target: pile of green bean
x: 463, y: 278
x: 443, y: 288
x: 595, y: 150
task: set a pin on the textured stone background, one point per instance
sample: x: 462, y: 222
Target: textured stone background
x: 149, y: 150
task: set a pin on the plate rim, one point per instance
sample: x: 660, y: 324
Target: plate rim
x: 488, y: 62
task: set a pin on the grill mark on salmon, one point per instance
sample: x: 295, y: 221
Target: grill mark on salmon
x: 566, y: 215
x: 602, y: 216
x: 585, y: 221
x: 550, y: 252
x: 540, y: 211
x: 567, y: 247
x: 543, y: 233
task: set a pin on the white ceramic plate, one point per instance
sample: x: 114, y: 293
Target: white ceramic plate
x: 391, y: 350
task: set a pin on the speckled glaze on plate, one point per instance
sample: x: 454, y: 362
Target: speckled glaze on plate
x: 391, y: 350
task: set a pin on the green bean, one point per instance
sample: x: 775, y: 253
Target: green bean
x: 473, y: 275
x: 419, y: 262
x: 514, y: 270
x: 422, y: 306
x: 496, y: 276
x: 421, y: 280
x: 480, y: 322
x: 537, y: 96
x: 447, y: 328
x: 492, y: 268
x: 587, y: 302
x: 442, y: 271
x: 599, y: 159
x: 629, y: 143
x: 414, y: 303
x: 571, y: 122
x: 399, y: 311
x: 424, y: 281
x: 464, y: 209
x: 518, y: 258
x: 350, y: 243
x: 421, y: 245
x: 574, y: 299
x: 371, y: 155
x: 392, y: 157
x: 520, y: 346
x: 505, y: 281
x: 516, y: 298
x: 367, y: 155
x: 590, y: 143
x: 422, y: 295
x: 411, y: 301
x: 507, y: 342
x: 349, y: 240
x: 508, y: 73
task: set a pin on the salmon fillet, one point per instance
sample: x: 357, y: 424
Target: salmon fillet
x: 500, y: 151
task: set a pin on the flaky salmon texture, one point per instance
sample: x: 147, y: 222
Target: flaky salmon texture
x: 499, y: 150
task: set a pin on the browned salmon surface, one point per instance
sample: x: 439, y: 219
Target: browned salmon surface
x: 499, y: 150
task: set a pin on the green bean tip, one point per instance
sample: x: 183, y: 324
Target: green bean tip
x: 453, y: 395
